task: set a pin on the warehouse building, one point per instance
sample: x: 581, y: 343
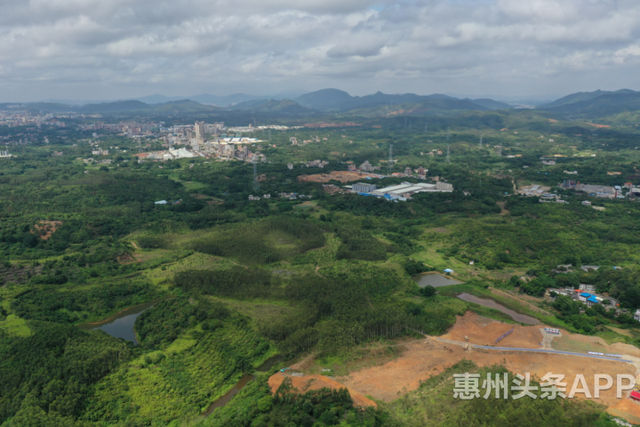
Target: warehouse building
x: 406, y: 189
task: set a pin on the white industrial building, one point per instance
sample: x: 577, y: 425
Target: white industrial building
x: 407, y: 189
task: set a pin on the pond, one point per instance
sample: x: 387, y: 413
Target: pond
x: 434, y: 279
x: 528, y: 320
x: 121, y: 324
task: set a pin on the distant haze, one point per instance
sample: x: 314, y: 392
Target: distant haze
x: 505, y: 49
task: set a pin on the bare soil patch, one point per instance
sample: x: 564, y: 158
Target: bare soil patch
x: 484, y: 331
x: 341, y: 176
x: 427, y: 357
x: 316, y: 382
x: 47, y: 228
x: 503, y: 211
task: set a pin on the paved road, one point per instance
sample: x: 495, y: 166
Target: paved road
x: 540, y: 350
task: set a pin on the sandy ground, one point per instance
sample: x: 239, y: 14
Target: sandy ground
x: 315, y: 382
x: 341, y: 176
x: 432, y: 355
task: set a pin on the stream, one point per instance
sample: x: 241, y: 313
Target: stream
x: 268, y: 364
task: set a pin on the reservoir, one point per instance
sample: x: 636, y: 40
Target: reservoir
x: 434, y: 279
x: 528, y: 320
x: 121, y: 324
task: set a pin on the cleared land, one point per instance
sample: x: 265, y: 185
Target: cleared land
x: 340, y: 176
x: 316, y: 382
x: 432, y: 355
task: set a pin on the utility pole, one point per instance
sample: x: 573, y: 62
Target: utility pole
x: 448, y: 157
x: 480, y: 140
x: 448, y: 134
x: 425, y: 128
x: 390, y: 165
x: 269, y: 134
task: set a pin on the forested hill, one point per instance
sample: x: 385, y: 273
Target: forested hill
x: 595, y: 104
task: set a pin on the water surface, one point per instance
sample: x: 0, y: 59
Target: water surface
x: 528, y: 320
x: 121, y: 324
x: 434, y: 279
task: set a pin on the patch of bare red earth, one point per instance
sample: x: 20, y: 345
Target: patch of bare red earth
x: 426, y: 358
x: 316, y: 382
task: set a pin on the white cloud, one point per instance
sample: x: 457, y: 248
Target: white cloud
x: 110, y: 47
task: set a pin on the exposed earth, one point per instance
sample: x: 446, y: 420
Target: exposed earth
x: 430, y: 356
x: 342, y: 176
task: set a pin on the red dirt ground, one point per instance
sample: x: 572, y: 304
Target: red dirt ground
x: 47, y: 228
x: 342, y: 176
x: 315, y: 382
x: 427, y: 357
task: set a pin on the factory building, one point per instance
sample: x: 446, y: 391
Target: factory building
x: 362, y: 187
x: 406, y: 189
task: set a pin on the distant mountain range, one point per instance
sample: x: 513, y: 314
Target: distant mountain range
x: 335, y: 101
x: 322, y: 101
x: 595, y: 104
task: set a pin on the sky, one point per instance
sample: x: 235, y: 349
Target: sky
x: 119, y: 49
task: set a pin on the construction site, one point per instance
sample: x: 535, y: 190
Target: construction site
x: 536, y: 349
x: 340, y: 176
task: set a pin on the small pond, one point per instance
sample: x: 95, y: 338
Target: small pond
x: 434, y: 279
x: 121, y: 324
x: 528, y: 320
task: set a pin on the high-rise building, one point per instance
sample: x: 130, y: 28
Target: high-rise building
x: 199, y: 128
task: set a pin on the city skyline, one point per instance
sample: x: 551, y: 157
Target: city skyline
x: 124, y: 49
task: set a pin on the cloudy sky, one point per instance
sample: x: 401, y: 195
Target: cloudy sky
x: 109, y: 49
